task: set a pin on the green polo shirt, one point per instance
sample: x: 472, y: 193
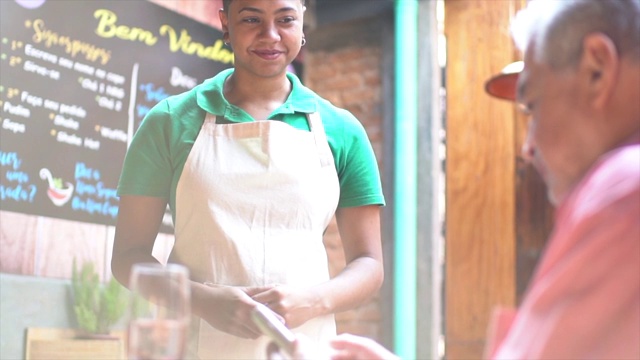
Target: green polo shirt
x: 161, y: 145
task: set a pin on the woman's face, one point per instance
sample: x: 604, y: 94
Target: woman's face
x: 266, y: 35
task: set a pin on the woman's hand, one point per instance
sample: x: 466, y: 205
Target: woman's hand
x: 295, y: 305
x: 228, y: 308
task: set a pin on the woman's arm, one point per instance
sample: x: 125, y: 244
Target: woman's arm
x: 363, y: 274
x: 139, y: 218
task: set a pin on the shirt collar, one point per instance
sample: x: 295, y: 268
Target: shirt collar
x: 209, y: 96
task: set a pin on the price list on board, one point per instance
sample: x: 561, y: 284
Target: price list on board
x: 76, y: 80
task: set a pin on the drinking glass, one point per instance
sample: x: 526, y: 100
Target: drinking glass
x: 159, y: 311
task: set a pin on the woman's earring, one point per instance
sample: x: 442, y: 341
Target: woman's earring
x: 304, y: 41
x: 225, y: 37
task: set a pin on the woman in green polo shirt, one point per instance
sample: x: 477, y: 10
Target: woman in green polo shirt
x: 254, y: 166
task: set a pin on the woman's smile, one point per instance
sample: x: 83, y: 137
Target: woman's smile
x: 267, y: 54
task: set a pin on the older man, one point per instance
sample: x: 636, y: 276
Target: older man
x: 581, y: 87
x: 580, y: 84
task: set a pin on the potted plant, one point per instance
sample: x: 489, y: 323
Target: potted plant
x: 97, y: 306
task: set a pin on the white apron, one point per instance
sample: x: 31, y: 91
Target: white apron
x: 252, y: 204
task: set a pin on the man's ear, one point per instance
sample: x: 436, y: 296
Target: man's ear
x: 600, y: 67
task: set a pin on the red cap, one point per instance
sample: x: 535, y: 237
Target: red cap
x: 503, y: 85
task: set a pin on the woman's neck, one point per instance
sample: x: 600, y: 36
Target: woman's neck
x: 258, y: 97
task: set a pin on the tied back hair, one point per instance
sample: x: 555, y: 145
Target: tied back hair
x: 557, y: 28
x: 226, y: 3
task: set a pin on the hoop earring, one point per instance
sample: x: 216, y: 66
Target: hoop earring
x: 225, y: 37
x: 304, y: 41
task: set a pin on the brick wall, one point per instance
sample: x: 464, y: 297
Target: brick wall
x: 350, y: 77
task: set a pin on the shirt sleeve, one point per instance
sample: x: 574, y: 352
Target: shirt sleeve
x: 357, y: 167
x: 147, y: 166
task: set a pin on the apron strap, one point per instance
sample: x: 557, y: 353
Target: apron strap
x: 322, y: 144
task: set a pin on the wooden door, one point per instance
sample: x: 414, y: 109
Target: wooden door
x: 497, y: 215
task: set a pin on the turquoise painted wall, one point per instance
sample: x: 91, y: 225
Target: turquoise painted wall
x: 31, y: 302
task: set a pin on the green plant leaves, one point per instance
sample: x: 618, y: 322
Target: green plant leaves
x: 97, y: 306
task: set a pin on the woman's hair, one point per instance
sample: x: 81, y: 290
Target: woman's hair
x: 557, y: 28
x: 226, y: 3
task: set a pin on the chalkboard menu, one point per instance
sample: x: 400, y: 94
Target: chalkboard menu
x: 76, y: 79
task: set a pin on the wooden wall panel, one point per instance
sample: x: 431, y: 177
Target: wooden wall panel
x: 18, y: 236
x: 480, y: 178
x: 60, y: 241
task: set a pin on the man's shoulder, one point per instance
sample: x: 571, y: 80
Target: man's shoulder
x: 613, y: 182
x: 619, y: 168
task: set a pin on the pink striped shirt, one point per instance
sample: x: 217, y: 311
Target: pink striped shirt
x: 583, y: 301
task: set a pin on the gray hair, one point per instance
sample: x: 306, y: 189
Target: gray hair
x: 556, y: 28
